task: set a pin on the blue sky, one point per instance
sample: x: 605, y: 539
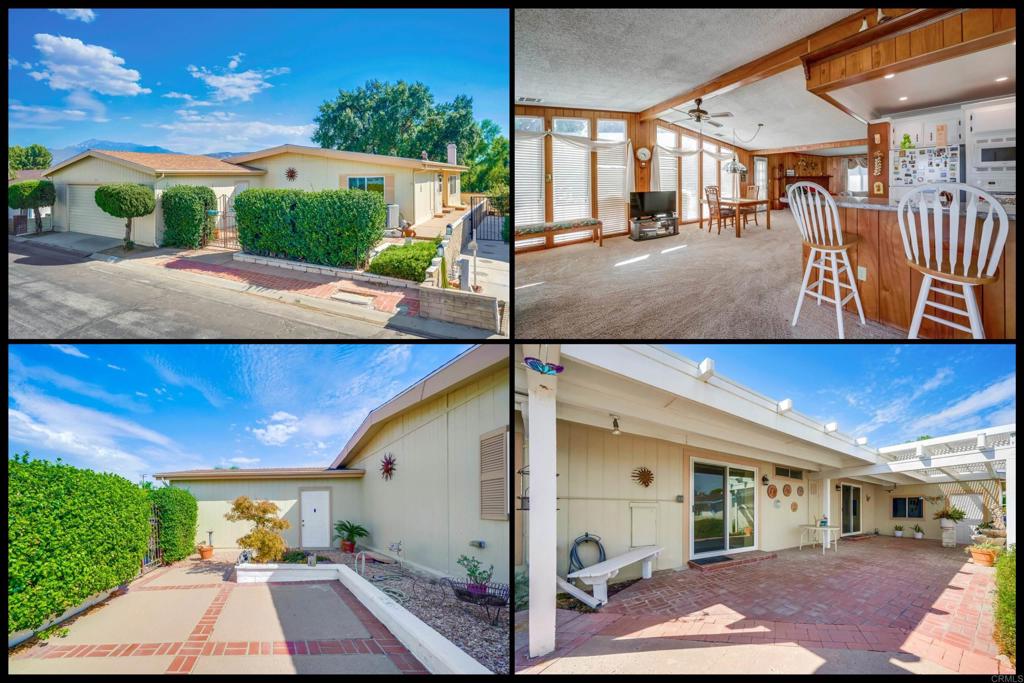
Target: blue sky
x: 140, y: 409
x: 889, y: 393
x: 197, y: 81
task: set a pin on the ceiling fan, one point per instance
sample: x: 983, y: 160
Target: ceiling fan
x: 701, y: 116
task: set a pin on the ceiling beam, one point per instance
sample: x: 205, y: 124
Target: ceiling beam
x: 950, y: 473
x: 925, y: 462
x: 815, y: 146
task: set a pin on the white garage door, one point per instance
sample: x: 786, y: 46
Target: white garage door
x: 86, y: 217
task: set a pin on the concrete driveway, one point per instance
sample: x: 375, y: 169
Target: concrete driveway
x: 193, y: 618
x: 74, y: 242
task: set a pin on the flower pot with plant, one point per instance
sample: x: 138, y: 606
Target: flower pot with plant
x: 477, y: 575
x: 918, y: 532
x: 205, y: 551
x: 898, y: 531
x: 348, y: 532
x: 984, y: 553
x: 949, y: 516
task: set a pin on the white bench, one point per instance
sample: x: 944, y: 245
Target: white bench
x: 597, y: 575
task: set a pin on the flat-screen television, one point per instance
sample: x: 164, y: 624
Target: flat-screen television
x: 643, y: 204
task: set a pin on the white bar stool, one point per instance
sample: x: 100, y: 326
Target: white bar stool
x: 818, y: 219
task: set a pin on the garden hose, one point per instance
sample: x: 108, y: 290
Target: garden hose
x: 574, y: 558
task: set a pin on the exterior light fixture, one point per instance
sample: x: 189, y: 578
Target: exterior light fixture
x: 764, y: 480
x: 615, y: 425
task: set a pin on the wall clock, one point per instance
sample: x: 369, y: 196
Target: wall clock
x: 643, y: 154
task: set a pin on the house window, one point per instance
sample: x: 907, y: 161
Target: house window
x: 494, y: 475
x: 908, y: 507
x: 788, y: 472
x: 570, y: 174
x: 529, y: 173
x: 857, y: 180
x: 369, y: 183
x: 611, y: 177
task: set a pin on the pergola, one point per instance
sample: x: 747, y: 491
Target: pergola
x: 659, y: 394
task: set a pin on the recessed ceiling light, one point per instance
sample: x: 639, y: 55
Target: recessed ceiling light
x: 903, y: 99
x: 890, y: 75
x: 1002, y: 78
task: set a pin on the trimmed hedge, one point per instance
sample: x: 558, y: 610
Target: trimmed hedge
x: 330, y: 227
x: 179, y: 521
x: 407, y: 261
x: 31, y: 194
x: 1006, y: 603
x: 186, y: 223
x: 72, y: 533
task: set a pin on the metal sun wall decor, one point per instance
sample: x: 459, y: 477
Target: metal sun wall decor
x: 387, y: 466
x: 291, y: 174
x: 643, y: 476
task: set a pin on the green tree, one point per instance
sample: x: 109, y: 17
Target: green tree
x: 31, y: 157
x: 488, y: 161
x: 126, y: 200
x: 31, y: 194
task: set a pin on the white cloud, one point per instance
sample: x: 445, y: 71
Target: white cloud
x: 279, y: 429
x: 115, y: 367
x: 243, y: 461
x: 211, y: 135
x: 191, y: 101
x: 85, y: 15
x: 21, y: 375
x: 235, y: 60
x: 158, y: 391
x: 11, y: 63
x: 395, y: 357
x: 174, y: 378
x: 213, y: 116
x: 70, y: 64
x: 995, y: 395
x: 26, y: 65
x: 69, y: 349
x: 139, y: 393
x: 236, y: 85
x: 898, y: 409
x: 81, y: 100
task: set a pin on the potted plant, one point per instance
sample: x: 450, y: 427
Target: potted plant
x: 478, y: 576
x: 205, y: 551
x: 748, y: 531
x: 984, y: 553
x: 348, y: 532
x: 949, y: 516
x: 898, y: 531
x: 918, y: 532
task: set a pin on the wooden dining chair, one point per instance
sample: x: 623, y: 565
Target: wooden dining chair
x: 750, y: 192
x: 817, y: 217
x: 942, y: 245
x: 715, y: 210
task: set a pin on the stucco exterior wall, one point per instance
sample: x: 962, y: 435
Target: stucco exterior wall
x: 989, y: 489
x: 321, y: 173
x: 215, y: 497
x: 432, y: 503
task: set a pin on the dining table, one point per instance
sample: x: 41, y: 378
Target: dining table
x: 739, y: 203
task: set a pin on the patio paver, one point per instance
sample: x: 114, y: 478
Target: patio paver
x: 286, y: 612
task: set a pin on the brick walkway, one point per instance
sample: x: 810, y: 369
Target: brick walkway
x: 380, y: 651
x: 882, y: 594
x: 321, y: 287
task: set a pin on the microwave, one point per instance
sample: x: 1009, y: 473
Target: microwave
x: 995, y: 152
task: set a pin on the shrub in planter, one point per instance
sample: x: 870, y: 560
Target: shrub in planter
x: 179, y: 520
x: 406, y: 262
x: 984, y: 553
x: 478, y: 576
x: 918, y: 532
x: 186, y: 221
x: 348, y: 532
x: 126, y: 200
x: 31, y: 194
x: 521, y: 591
x: 299, y: 557
x: 898, y: 531
x: 264, y: 539
x: 1006, y: 603
x: 72, y: 533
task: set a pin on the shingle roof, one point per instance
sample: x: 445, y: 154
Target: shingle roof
x: 27, y: 174
x: 174, y: 162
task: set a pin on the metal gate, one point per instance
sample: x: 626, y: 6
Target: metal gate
x: 225, y: 234
x: 154, y: 555
x: 483, y: 225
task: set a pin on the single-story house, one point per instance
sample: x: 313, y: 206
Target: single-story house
x: 729, y: 470
x: 448, y: 495
x: 421, y: 189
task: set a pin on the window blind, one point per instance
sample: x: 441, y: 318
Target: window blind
x: 570, y: 176
x: 611, y: 179
x: 710, y: 173
x: 691, y: 189
x: 529, y: 174
x: 668, y: 173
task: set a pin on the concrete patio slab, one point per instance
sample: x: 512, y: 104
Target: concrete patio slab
x: 287, y: 612
x: 74, y: 242
x: 85, y: 665
x: 142, y: 616
x: 297, y: 664
x: 194, y: 573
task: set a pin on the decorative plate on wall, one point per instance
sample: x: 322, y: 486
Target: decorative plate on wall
x: 772, y: 491
x: 792, y: 506
x: 786, y: 490
x: 799, y: 490
x: 643, y: 476
x: 777, y: 504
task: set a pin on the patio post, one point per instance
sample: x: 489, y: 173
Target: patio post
x: 826, y: 505
x: 543, y: 520
x: 1011, y: 499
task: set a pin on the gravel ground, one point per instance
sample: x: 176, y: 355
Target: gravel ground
x: 466, y: 625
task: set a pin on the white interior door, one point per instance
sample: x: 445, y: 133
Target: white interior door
x: 437, y: 194
x: 316, y: 519
x: 971, y: 504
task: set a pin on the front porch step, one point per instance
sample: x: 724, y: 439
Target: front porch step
x: 734, y: 562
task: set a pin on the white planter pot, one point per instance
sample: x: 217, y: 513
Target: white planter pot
x: 918, y: 535
x: 946, y: 523
x: 898, y: 534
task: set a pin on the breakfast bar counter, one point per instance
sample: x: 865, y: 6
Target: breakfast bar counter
x: 889, y: 287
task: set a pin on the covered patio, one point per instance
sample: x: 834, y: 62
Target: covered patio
x: 614, y: 407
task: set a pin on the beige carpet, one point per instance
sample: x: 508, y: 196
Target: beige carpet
x: 716, y: 287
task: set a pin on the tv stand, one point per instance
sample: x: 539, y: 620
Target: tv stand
x: 653, y: 227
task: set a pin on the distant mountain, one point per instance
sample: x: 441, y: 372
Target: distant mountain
x: 67, y: 152
x: 221, y: 155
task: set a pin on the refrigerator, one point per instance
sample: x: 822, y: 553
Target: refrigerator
x: 911, y: 167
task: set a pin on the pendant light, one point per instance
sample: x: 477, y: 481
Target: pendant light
x: 734, y: 165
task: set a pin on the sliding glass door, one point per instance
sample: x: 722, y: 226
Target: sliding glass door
x: 724, y: 508
x: 851, y: 509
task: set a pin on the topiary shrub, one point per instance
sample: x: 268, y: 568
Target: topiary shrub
x: 72, y: 533
x: 407, y: 261
x: 331, y: 227
x: 186, y: 221
x: 31, y: 194
x: 264, y: 539
x: 1006, y: 603
x: 179, y: 520
x: 126, y: 200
